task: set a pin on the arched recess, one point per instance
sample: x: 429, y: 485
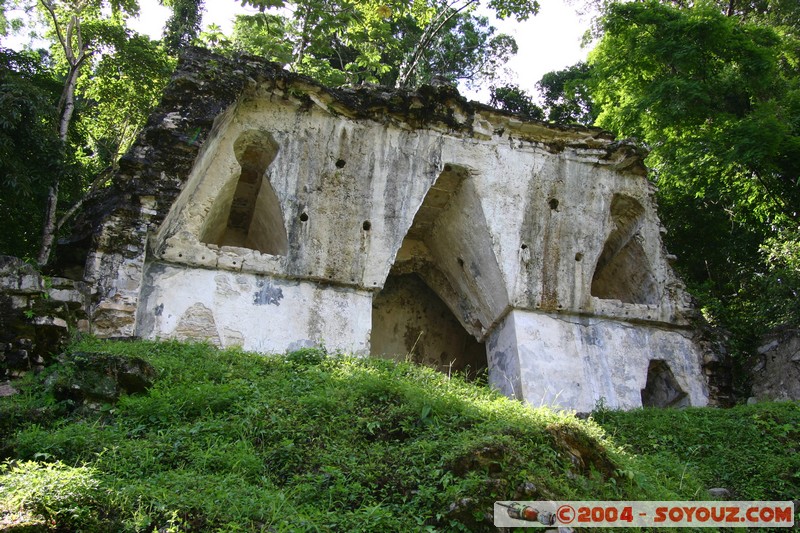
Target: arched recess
x: 247, y: 212
x: 662, y: 389
x: 623, y: 271
x: 425, y: 310
x: 410, y: 321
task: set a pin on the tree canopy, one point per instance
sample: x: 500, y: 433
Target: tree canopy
x: 30, y: 149
x: 402, y: 43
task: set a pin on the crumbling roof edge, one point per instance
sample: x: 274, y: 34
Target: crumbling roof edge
x: 427, y: 105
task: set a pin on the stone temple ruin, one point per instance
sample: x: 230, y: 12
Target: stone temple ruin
x: 263, y: 210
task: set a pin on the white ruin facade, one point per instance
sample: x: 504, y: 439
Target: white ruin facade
x: 426, y: 226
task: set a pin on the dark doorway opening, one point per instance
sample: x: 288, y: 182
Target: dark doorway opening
x: 662, y: 389
x: 409, y: 321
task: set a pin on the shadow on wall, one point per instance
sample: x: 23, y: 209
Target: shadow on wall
x: 410, y: 320
x: 662, y: 389
x: 414, y: 316
x: 623, y: 270
x: 247, y: 213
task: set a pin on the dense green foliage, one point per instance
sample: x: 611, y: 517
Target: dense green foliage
x: 117, y: 95
x: 717, y: 100
x: 566, y: 95
x: 400, y: 43
x: 68, y: 113
x: 30, y: 150
x: 750, y: 449
x: 184, y: 24
x: 512, y: 98
x: 232, y: 441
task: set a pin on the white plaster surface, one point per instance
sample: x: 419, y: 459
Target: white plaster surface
x: 333, y: 176
x: 572, y: 362
x: 257, y: 312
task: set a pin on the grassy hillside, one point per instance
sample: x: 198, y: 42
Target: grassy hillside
x: 751, y: 450
x: 231, y: 441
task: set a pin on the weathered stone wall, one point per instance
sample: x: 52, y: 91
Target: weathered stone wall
x: 576, y: 361
x: 775, y: 373
x: 257, y: 312
x: 37, y: 316
x: 263, y: 210
x: 410, y: 322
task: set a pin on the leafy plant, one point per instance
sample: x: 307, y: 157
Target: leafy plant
x: 68, y: 496
x: 231, y: 441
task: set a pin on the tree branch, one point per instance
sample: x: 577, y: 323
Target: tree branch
x: 101, y: 177
x: 427, y: 37
x: 50, y: 9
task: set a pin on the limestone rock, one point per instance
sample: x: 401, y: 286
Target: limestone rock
x: 6, y: 390
x: 36, y: 316
x: 18, y: 277
x: 467, y: 512
x: 775, y: 373
x: 99, y: 377
x: 719, y: 493
x: 197, y: 324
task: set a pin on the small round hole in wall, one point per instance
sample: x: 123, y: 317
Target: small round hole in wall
x: 367, y: 225
x: 180, y: 255
x: 578, y: 256
x: 460, y: 262
x: 340, y: 163
x: 553, y: 203
x: 524, y: 246
x: 303, y: 217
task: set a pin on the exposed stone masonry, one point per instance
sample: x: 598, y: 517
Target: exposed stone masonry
x: 37, y: 315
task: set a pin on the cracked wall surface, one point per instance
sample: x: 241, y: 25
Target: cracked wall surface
x: 290, y: 205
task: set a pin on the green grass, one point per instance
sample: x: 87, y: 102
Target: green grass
x: 751, y: 450
x: 232, y: 441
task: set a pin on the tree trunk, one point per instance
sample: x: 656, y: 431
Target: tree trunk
x: 49, y: 230
x: 68, y: 99
x: 75, y: 57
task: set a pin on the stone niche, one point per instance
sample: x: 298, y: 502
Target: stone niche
x: 410, y: 322
x: 260, y: 209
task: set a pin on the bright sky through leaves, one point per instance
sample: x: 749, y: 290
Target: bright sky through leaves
x: 548, y: 41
